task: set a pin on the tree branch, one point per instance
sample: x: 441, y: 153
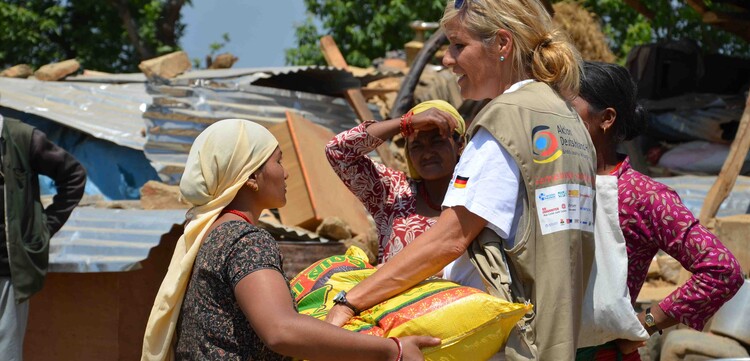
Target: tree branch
x: 166, y: 26
x: 131, y: 26
x: 641, y: 8
x: 735, y: 24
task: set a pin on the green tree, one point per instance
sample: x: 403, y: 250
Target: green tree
x: 111, y: 35
x: 668, y: 20
x: 363, y: 29
x: 366, y: 29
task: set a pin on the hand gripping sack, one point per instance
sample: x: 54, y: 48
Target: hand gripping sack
x: 472, y: 324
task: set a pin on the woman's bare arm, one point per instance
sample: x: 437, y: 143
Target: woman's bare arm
x: 264, y: 298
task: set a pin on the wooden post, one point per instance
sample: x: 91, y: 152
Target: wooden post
x: 727, y: 176
x: 730, y: 170
x: 354, y: 96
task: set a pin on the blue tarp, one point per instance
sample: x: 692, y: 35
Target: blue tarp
x: 114, y: 172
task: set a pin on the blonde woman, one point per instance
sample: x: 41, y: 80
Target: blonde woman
x: 521, y: 197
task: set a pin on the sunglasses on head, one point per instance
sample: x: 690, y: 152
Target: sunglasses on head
x: 458, y: 4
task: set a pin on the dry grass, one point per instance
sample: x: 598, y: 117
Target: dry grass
x: 584, y: 31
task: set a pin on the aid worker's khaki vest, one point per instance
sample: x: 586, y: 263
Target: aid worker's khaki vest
x: 549, y: 263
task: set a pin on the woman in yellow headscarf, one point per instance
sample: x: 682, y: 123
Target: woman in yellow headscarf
x: 405, y: 205
x: 225, y: 296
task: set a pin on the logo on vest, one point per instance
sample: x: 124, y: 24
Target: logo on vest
x: 546, y: 146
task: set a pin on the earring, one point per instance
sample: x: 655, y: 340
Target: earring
x: 502, y: 58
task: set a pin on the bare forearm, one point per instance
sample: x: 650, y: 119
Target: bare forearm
x: 425, y: 256
x: 386, y: 129
x: 293, y: 338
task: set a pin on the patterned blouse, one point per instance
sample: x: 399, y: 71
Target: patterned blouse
x: 653, y: 217
x: 211, y: 325
x: 389, y: 195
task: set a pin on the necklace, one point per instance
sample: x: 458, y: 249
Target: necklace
x: 426, y: 197
x: 238, y: 214
x: 617, y: 168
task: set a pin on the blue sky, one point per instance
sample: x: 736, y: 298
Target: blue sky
x: 259, y: 31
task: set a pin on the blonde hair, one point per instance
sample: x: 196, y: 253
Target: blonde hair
x: 540, y: 50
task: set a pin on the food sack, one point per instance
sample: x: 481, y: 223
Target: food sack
x: 472, y: 324
x: 317, y: 274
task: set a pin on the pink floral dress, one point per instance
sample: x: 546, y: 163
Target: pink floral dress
x: 653, y: 217
x: 389, y: 195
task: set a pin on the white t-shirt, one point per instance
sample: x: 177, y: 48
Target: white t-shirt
x: 486, y: 181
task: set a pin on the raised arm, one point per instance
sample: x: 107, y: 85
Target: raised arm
x: 371, y: 182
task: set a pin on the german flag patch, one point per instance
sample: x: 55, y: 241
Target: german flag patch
x: 460, y: 181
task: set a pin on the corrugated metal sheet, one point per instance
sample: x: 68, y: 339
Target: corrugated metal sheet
x: 112, y: 107
x: 107, y: 111
x: 694, y: 189
x: 179, y: 113
x: 117, y: 240
x: 108, y: 240
x: 363, y: 75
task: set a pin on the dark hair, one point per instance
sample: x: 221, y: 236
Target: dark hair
x: 605, y: 85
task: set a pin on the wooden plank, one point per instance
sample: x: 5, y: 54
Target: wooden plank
x: 405, y: 98
x: 314, y: 191
x: 331, y: 53
x: 727, y: 177
x: 373, y: 92
x: 730, y: 170
x: 355, y: 98
x: 298, y: 210
x: 358, y: 102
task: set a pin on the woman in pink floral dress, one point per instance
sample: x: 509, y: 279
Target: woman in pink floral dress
x: 404, y: 205
x: 651, y: 214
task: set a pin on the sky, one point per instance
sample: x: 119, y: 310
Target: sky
x: 259, y: 31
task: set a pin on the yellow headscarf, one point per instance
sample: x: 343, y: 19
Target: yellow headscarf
x: 444, y: 106
x: 221, y: 160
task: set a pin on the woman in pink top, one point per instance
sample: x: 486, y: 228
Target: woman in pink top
x: 651, y: 214
x: 403, y: 206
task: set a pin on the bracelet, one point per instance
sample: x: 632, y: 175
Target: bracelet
x: 406, y: 126
x: 400, y: 349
